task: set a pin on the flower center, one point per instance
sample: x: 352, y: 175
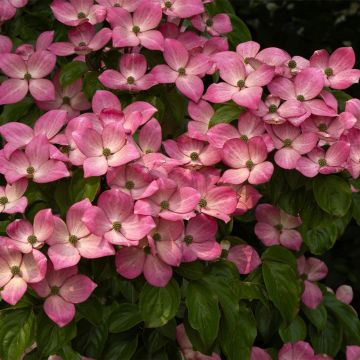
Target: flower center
x: 329, y: 72
x: 148, y: 151
x: 209, y: 22
x: 273, y: 109
x: 66, y: 100
x: 322, y: 127
x: 32, y: 239
x: 106, y: 152
x: 244, y: 138
x: 182, y: 71
x: 136, y: 29
x: 164, y: 205
x: 65, y: 149
x: 300, y: 98
x: 3, y: 200
x: 287, y: 142
x: 147, y: 250
x: 188, y: 239
x: 130, y: 80
x: 249, y: 164
x: 27, y: 76
x: 30, y: 170
x: 54, y: 290
x: 157, y: 237
x: 241, y: 83
x: 202, y: 203
x: 292, y: 64
x: 246, y: 61
x: 322, y: 162
x: 168, y: 4
x: 116, y: 226
x: 73, y: 239
x: 117, y: 5
x: 279, y: 227
x: 194, y: 156
x: 81, y: 15
x: 82, y: 43
x: 129, y: 185
x: 15, y: 270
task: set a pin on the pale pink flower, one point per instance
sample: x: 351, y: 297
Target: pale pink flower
x: 259, y: 354
x: 245, y: 257
x: 34, y: 163
x: 337, y: 68
x: 352, y: 352
x: 247, y: 197
x: 291, y: 144
x: 198, y: 240
x: 76, y: 12
x: 245, y: 89
x: 324, y: 162
x: 311, y: 270
x: 8, y: 8
x: 276, y: 227
x: 103, y: 150
x: 25, y: 237
x: 83, y: 40
x: 72, y: 240
x: 200, y: 114
x: 114, y: 219
x: 137, y: 29
x: 170, y: 202
x: 132, y: 75
x: 217, y: 25
x: 247, y: 161
x: 12, y: 199
x: 27, y: 76
x: 299, y: 350
x: 62, y: 289
x: 345, y: 294
x: 182, y: 8
x: 17, y: 270
x: 182, y: 69
x: 128, y: 5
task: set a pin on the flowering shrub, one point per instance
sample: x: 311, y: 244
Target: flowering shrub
x: 167, y: 186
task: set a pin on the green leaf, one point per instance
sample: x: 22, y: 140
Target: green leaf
x: 81, y: 188
x: 72, y: 72
x: 317, y: 316
x: 333, y: 194
x: 226, y: 114
x: 240, y: 33
x: 17, y: 329
x: 159, y: 305
x: 120, y: 348
x: 91, y: 83
x: 203, y: 311
x: 220, y: 6
x: 341, y: 97
x: 124, y: 318
x: 14, y: 112
x: 193, y: 270
x: 268, y: 320
x: 295, y: 331
x: 91, y: 310
x: 356, y: 207
x: 281, y: 281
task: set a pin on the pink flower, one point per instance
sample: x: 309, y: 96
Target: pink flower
x: 131, y: 262
x: 8, y: 8
x: 182, y: 8
x: 132, y: 75
x: 103, y: 150
x: 137, y: 29
x: 275, y: 227
x: 34, y: 163
x: 198, y: 240
x: 114, y: 219
x: 353, y: 165
x: 128, y: 5
x: 324, y: 162
x: 244, y: 257
x: 259, y: 354
x: 353, y: 106
x: 11, y: 197
x: 337, y: 68
x: 182, y: 69
x: 294, y: 65
x: 352, y: 352
x: 247, y: 197
x: 245, y: 90
x: 170, y: 202
x: 72, y: 240
x: 312, y: 270
x: 191, y: 152
x: 5, y: 44
x: 27, y: 76
x: 83, y: 40
x: 291, y: 144
x: 62, y: 289
x: 215, y: 26
x: 150, y: 136
x: 307, y: 85
x: 17, y: 270
x: 76, y: 12
x: 200, y: 114
x: 25, y: 237
x: 345, y: 294
x: 247, y: 162
x: 300, y: 350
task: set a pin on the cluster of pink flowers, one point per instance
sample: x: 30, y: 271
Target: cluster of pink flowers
x: 164, y: 198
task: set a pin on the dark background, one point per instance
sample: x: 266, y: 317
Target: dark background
x: 301, y: 27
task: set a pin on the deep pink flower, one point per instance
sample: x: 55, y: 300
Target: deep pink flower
x: 132, y: 75
x: 244, y: 257
x: 312, y: 270
x: 291, y: 144
x: 247, y: 197
x: 83, y: 40
x: 27, y: 76
x: 76, y: 12
x: 352, y: 352
x: 103, y: 150
x: 245, y: 90
x: 170, y: 202
x: 275, y: 227
x: 25, y: 236
x: 17, y: 270
x: 8, y: 8
x: 259, y: 354
x: 114, y: 219
x: 337, y: 68
x: 299, y: 350
x: 137, y: 29
x: 324, y: 162
x: 353, y: 106
x: 200, y: 114
x: 62, y: 289
x: 247, y: 162
x: 217, y: 25
x: 198, y: 240
x: 11, y: 197
x: 72, y: 240
x: 5, y: 44
x: 182, y: 69
x: 182, y: 8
